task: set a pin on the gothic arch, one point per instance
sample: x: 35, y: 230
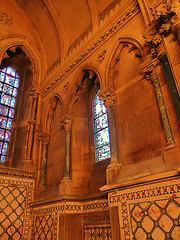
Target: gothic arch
x: 50, y: 115
x: 78, y: 83
x: 112, y: 65
x: 32, y: 54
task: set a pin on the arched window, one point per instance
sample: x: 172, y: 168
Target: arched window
x: 9, y: 83
x: 101, y: 130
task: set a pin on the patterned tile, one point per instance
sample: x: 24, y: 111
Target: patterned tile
x: 15, y: 198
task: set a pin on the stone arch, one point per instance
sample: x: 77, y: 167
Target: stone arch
x: 32, y: 54
x: 85, y: 71
x: 113, y: 63
x: 54, y: 101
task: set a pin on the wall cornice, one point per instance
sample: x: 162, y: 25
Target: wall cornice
x: 16, y: 172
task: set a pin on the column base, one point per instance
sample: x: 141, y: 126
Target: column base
x: 112, y: 172
x: 65, y: 186
x: 27, y: 164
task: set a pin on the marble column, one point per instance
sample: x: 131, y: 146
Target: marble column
x: 66, y: 185
x: 150, y: 74
x: 113, y: 170
x: 44, y: 138
x: 30, y: 135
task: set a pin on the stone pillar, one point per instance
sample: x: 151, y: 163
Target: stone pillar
x: 30, y: 136
x: 113, y: 170
x: 151, y: 75
x: 44, y: 138
x: 65, y: 186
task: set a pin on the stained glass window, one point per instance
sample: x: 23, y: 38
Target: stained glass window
x: 101, y: 130
x: 9, y: 82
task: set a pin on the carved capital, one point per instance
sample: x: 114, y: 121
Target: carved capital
x: 108, y: 96
x: 66, y: 123
x: 148, y: 69
x: 153, y: 40
x: 165, y: 16
x: 34, y: 93
x: 44, y: 137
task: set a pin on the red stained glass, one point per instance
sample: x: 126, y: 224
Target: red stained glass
x: 3, y: 159
x: 2, y: 134
x: 3, y: 121
x: 5, y: 99
x: 9, y: 82
x: 3, y: 110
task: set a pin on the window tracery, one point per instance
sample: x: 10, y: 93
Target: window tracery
x: 9, y: 83
x: 101, y: 129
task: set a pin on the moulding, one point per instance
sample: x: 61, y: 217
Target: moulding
x: 17, y: 172
x: 154, y: 178
x: 127, y: 14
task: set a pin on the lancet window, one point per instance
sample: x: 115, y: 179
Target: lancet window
x: 101, y: 129
x: 9, y: 83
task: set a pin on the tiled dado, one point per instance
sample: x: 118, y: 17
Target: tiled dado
x: 15, y: 197
x: 149, y: 212
x: 45, y: 219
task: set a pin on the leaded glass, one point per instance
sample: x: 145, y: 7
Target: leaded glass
x: 9, y: 83
x: 101, y: 130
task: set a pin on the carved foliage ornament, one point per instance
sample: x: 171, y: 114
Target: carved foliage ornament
x: 165, y: 16
x: 5, y: 19
x: 108, y: 97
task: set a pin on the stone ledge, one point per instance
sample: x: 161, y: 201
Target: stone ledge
x: 15, y: 172
x: 139, y: 181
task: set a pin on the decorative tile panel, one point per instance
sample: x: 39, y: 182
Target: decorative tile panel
x: 44, y: 228
x: 97, y: 232
x: 149, y: 212
x: 15, y: 198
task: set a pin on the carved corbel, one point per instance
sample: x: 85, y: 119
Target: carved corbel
x: 167, y: 18
x: 108, y: 96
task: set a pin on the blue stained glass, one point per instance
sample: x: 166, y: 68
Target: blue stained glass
x: 5, y: 99
x: 1, y: 85
x: 3, y: 121
x: 2, y: 134
x: 14, y: 92
x: 7, y: 89
x: 9, y: 82
x: 11, y: 112
x: 101, y: 130
x: 1, y: 144
x: 101, y: 122
x: 9, y: 124
x: 11, y: 71
x: 3, y: 110
x: 13, y: 101
x: 3, y: 159
x: 7, y: 135
x: 99, y: 107
x: 103, y: 153
x: 16, y: 83
x: 5, y: 148
x: 2, y: 76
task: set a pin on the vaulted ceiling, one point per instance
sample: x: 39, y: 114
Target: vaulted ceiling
x: 58, y: 25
